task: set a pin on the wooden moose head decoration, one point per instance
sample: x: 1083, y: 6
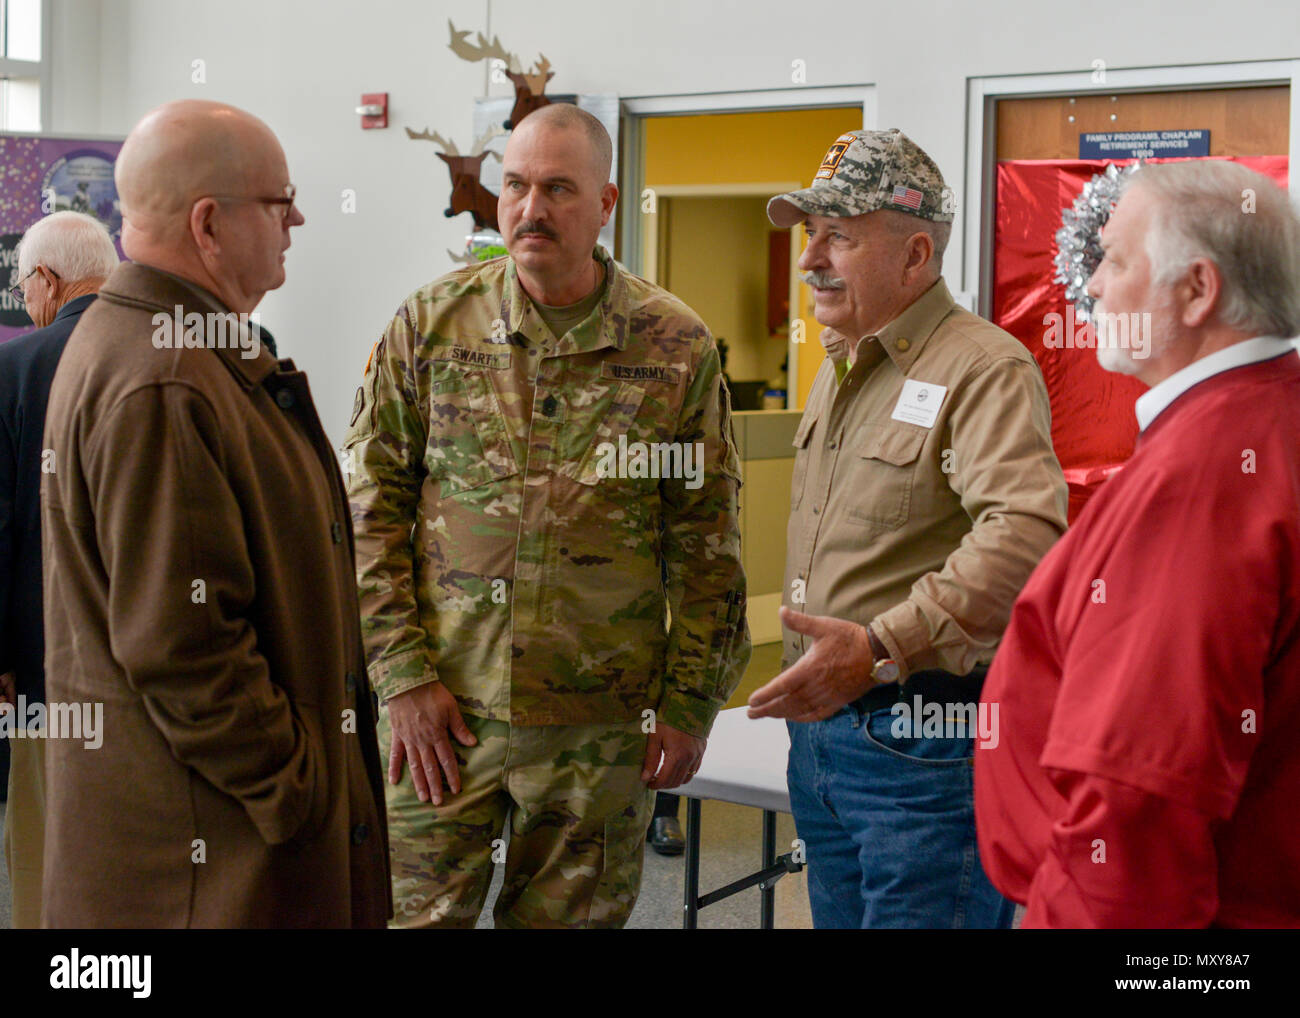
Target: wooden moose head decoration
x: 467, y: 193
x: 530, y: 86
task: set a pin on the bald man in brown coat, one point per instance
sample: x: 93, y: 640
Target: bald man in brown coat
x: 199, y: 575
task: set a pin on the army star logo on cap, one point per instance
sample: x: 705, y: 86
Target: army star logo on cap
x: 833, y: 156
x: 864, y: 171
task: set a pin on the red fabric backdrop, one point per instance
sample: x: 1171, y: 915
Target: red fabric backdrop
x: 1093, y: 427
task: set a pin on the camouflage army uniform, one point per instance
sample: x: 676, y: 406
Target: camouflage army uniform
x: 496, y: 554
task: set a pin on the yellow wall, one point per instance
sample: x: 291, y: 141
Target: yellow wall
x: 724, y: 239
x: 811, y: 351
x: 747, y: 148
x: 742, y: 148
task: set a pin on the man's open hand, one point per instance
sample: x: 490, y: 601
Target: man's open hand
x: 835, y: 671
x: 420, y: 720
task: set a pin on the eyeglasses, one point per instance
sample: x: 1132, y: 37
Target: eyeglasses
x: 17, y: 288
x: 290, y: 192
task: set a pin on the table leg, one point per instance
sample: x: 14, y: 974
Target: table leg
x: 767, y: 903
x: 691, y: 911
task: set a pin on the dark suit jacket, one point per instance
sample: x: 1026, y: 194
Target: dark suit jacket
x: 26, y: 370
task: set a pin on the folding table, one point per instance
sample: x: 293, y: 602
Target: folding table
x: 744, y: 763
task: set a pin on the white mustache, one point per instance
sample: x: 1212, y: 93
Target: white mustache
x: 822, y: 280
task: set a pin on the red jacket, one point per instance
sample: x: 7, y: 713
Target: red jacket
x: 1148, y: 768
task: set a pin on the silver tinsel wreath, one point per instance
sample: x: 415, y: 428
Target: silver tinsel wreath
x: 1078, y: 242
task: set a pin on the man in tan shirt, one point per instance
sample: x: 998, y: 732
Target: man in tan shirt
x: 925, y: 491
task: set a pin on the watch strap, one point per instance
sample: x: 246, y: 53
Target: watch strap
x: 878, y: 649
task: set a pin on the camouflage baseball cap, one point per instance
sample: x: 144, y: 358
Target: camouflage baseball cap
x: 864, y: 171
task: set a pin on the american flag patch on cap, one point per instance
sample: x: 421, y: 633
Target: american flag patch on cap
x: 908, y: 197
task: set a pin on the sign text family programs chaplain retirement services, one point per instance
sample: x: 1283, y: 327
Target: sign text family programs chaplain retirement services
x: 1143, y: 144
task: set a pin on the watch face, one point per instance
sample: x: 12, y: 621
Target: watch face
x: 886, y: 671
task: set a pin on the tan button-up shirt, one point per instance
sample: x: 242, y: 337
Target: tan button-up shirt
x: 924, y: 528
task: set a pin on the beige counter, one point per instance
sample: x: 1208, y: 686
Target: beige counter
x: 767, y: 462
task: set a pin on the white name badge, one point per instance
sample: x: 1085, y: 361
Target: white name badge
x: 919, y: 403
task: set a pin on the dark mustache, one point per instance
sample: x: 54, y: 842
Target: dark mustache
x: 532, y: 226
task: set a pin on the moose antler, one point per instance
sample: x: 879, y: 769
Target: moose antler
x: 481, y: 143
x: 538, y: 77
x: 461, y: 259
x: 449, y: 147
x: 483, y: 50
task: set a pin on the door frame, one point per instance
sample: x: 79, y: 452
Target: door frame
x: 650, y: 243
x: 635, y: 110
x: 981, y: 133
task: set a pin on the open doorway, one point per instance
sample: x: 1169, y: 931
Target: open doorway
x: 703, y: 180
x: 718, y: 253
x: 697, y: 186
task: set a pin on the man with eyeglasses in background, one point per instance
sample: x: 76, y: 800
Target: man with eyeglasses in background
x: 199, y: 575
x: 63, y: 260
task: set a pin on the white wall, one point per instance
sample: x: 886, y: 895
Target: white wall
x: 301, y: 65
x: 74, y: 60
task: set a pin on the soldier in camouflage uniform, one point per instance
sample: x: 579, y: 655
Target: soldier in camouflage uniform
x: 543, y: 470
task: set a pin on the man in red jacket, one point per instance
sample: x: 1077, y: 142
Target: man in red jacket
x: 1149, y: 682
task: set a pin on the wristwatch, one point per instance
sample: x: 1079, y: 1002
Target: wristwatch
x: 884, y: 668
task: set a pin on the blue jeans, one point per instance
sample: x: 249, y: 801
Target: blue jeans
x: 888, y: 825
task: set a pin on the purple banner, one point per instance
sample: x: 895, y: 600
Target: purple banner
x: 43, y: 175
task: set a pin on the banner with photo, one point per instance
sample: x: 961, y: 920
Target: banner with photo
x: 40, y: 175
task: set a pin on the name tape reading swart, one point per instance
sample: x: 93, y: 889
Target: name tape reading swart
x: 497, y: 359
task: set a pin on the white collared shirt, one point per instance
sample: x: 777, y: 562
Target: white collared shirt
x: 1156, y: 400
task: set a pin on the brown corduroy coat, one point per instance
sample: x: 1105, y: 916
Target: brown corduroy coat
x: 200, y: 585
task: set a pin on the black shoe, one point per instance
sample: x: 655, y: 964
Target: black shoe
x: 666, y: 836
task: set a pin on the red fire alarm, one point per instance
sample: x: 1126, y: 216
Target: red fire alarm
x: 373, y: 110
